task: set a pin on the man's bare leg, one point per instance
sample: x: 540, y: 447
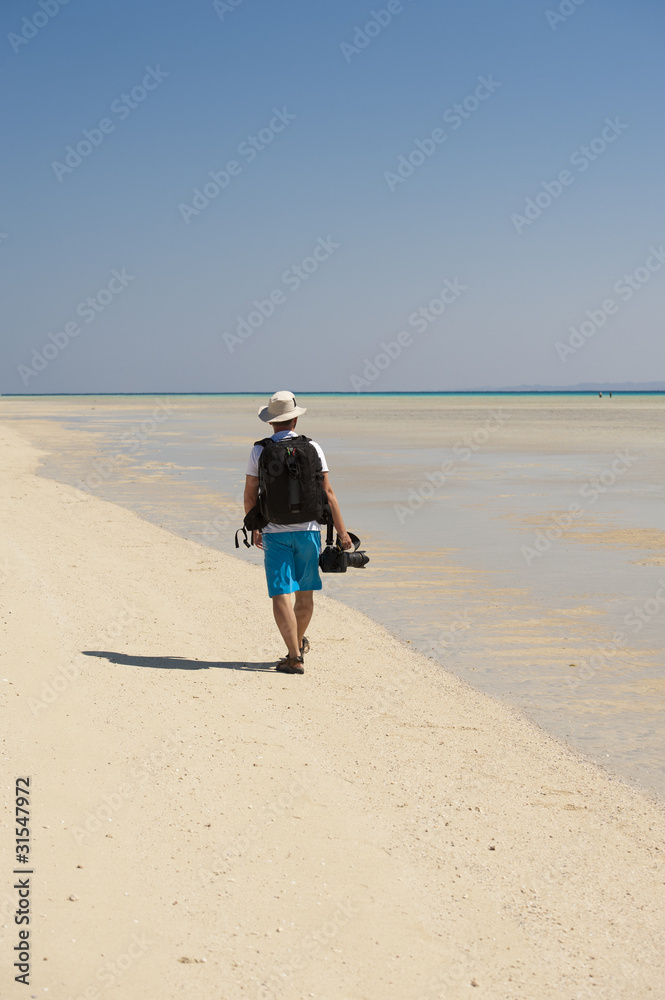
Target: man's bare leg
x: 303, y: 610
x: 285, y: 618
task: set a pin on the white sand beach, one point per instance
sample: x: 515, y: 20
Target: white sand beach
x: 205, y: 827
x: 454, y: 568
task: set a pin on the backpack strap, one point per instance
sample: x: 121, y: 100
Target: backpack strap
x: 327, y: 513
x: 245, y: 542
x: 265, y: 441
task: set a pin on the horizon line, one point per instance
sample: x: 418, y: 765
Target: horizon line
x: 326, y: 392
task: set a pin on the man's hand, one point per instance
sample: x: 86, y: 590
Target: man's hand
x: 257, y: 538
x: 345, y: 541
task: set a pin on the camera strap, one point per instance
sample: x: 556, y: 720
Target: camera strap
x: 330, y: 525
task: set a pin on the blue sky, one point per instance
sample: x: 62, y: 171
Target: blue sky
x: 336, y: 119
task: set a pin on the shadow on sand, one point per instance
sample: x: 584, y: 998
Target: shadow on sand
x: 176, y: 662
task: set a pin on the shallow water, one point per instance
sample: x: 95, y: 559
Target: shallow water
x: 563, y: 619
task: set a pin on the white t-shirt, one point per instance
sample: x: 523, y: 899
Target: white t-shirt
x: 253, y: 470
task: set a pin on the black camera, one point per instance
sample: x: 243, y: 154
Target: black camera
x: 334, y: 559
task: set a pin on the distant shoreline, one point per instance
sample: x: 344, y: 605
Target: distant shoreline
x: 314, y: 392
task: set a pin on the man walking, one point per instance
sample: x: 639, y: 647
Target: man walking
x: 291, y: 548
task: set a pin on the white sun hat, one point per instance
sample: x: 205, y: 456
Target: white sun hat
x: 282, y: 407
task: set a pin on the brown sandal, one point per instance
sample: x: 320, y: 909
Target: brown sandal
x: 304, y: 645
x: 290, y: 665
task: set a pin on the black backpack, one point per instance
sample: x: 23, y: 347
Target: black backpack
x: 290, y: 481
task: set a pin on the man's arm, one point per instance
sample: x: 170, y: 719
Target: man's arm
x: 251, y: 492
x: 338, y: 521
x: 250, y: 498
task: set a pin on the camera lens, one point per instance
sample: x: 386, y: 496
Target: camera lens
x: 356, y: 559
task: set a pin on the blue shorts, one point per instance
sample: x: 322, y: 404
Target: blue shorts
x: 292, y: 561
